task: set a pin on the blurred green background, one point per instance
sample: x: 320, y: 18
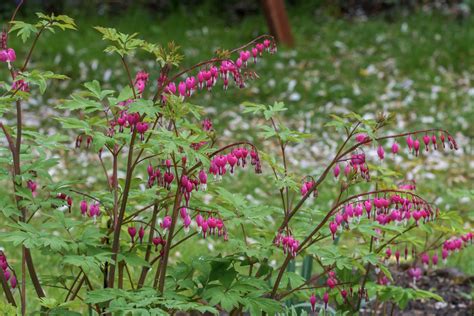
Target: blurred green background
x: 411, y: 58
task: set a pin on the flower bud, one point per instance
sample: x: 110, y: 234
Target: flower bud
x: 312, y: 301
x: 395, y: 148
x: 380, y: 152
x: 336, y: 170
x: 132, y: 231
x: 141, y: 233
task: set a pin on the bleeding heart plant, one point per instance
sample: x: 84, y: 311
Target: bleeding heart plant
x: 139, y: 237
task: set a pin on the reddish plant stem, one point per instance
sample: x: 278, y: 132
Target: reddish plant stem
x: 86, y: 195
x: 11, y: 144
x: 72, y: 286
x: 105, y: 172
x: 14, y: 14
x: 121, y: 266
x: 286, y: 207
x: 115, y: 188
x: 117, y: 230
x: 75, y: 292
x: 26, y: 258
x: 23, y: 280
x: 145, y: 269
x: 174, y: 219
x: 130, y: 81
x: 280, y: 275
x: 91, y: 288
x: 38, y: 34
x: 366, y: 275
x: 129, y: 277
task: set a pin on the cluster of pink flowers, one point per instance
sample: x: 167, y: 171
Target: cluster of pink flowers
x: 425, y: 259
x: 413, y: 143
x: 20, y: 85
x: 451, y: 245
x: 455, y: 244
x: 165, y: 223
x: 382, y: 279
x: 79, y: 141
x: 356, y: 164
x: 205, y: 226
x: 207, y: 125
x: 7, y: 55
x: 140, y: 81
x: 393, y: 209
x: 207, y: 78
x: 306, y: 186
x: 128, y: 120
x: 331, y: 283
x: 408, y: 186
x: 211, y: 225
x: 66, y: 198
x: 312, y: 301
x: 415, y: 273
x: 165, y: 178
x: 92, y: 211
x: 289, y: 243
x: 156, y: 176
x: 131, y: 120
x: 187, y: 187
x: 132, y: 232
x: 185, y: 218
x: 9, y: 276
x: 157, y: 241
x: 238, y: 157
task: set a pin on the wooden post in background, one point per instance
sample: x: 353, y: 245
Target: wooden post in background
x: 277, y: 21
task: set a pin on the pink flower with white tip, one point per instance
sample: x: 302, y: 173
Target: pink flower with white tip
x: 84, y: 208
x: 7, y: 55
x: 337, y: 171
x: 142, y: 127
x: 425, y: 260
x: 415, y: 273
x: 333, y: 228
x: 140, y: 81
x: 166, y: 223
x: 395, y: 148
x: 380, y: 152
x: 94, y: 211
